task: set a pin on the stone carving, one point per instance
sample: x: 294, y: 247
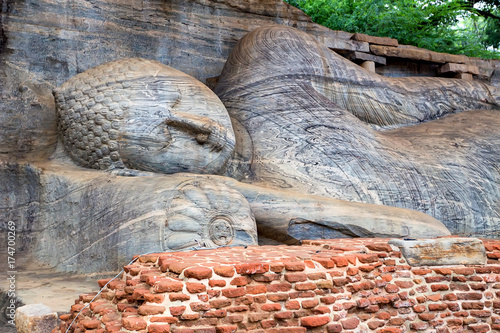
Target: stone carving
x: 141, y: 114
x: 324, y: 126
x: 301, y: 132
x: 200, y: 215
x: 138, y: 117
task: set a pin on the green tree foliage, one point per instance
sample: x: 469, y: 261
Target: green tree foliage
x: 452, y: 26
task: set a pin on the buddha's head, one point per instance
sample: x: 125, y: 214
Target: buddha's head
x: 141, y: 114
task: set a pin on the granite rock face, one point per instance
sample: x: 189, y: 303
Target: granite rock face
x: 305, y: 136
x: 43, y: 43
x: 321, y: 125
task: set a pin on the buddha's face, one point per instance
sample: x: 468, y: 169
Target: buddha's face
x: 143, y: 115
x: 180, y: 127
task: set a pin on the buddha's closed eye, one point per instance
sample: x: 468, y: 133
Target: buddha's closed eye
x: 203, y: 129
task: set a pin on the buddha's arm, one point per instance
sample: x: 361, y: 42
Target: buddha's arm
x: 287, y: 216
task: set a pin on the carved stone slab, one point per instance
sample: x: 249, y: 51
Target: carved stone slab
x: 442, y: 251
x: 458, y: 68
x: 416, y: 54
x: 375, y: 40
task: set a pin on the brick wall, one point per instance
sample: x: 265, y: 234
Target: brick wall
x: 347, y: 285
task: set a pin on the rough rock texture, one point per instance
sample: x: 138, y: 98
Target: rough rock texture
x: 43, y: 43
x: 66, y: 216
x: 79, y: 215
x: 442, y: 251
x: 143, y: 115
x: 360, y: 285
x: 35, y: 318
x: 324, y: 126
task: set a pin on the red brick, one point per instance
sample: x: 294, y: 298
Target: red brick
x: 459, y: 286
x: 220, y: 303
x: 167, y: 286
x: 225, y: 271
x: 252, y: 268
x: 350, y: 323
x: 178, y: 297
x: 271, y: 307
x: 340, y: 261
x: 472, y: 305
x: 190, y: 316
x: 150, y: 310
x: 391, y: 288
x: 450, y: 297
x: 240, y: 308
x: 439, y: 287
x: 383, y: 315
x: 325, y: 263
x: 324, y: 284
x: 292, y: 305
x: 283, y: 315
x: 328, y: 299
x: 436, y: 279
x: 295, y: 266
x: 278, y: 297
x: 195, y: 287
x: 279, y: 287
x: 426, y: 316
x: 255, y: 317
x: 471, y: 296
x: 442, y: 271
x: 177, y: 310
x: 91, y: 323
x: 134, y: 323
x: 480, y: 328
x: 334, y: 328
x: 379, y: 247
x: 256, y: 289
x: 463, y: 271
x: 199, y: 273
x: 369, y: 268
x: 421, y: 271
x: 215, y: 314
x: 454, y: 322
x: 480, y: 313
x: 217, y: 283
x: 437, y: 307
x: 199, y: 306
x: 404, y: 284
x: 268, y: 323
x: 233, y: 292
x: 158, y: 328
x: 295, y: 277
x: 226, y: 329
x: 314, y: 321
x: 170, y: 320
x: 239, y: 281
x: 305, y: 286
x: 276, y: 267
x: 434, y: 297
x: 419, y: 326
x: 309, y: 303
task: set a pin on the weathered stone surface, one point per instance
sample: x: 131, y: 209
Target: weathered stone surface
x: 458, y: 68
x: 417, y: 54
x: 345, y: 44
x: 442, y: 251
x: 346, y: 144
x: 44, y: 43
x: 108, y: 114
x: 362, y: 56
x: 375, y: 40
x: 35, y: 318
